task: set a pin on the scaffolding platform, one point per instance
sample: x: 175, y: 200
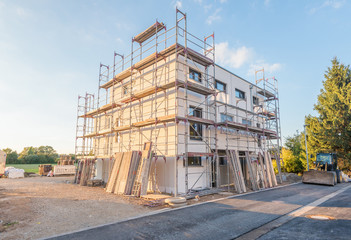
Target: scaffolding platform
x: 156, y: 57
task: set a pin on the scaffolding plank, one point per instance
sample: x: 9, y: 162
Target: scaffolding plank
x: 132, y: 172
x: 268, y: 170
x: 123, y: 174
x: 149, y: 32
x: 264, y: 175
x: 145, y: 170
x: 274, y: 178
x: 111, y: 182
x: 200, y: 120
x: 102, y: 109
x: 235, y: 175
x: 252, y: 175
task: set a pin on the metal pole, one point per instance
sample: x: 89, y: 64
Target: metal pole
x: 308, y: 166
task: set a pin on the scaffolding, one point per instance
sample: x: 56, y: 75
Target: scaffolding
x: 164, y: 92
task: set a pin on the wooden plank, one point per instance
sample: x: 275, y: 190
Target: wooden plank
x: 123, y: 174
x: 264, y: 175
x: 132, y: 172
x: 235, y: 172
x: 268, y: 170
x: 112, y: 178
x: 240, y: 172
x: 274, y: 178
x: 145, y: 170
x: 252, y: 175
x: 83, y: 174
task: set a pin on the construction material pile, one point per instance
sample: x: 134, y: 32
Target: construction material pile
x: 261, y: 173
x: 130, y: 172
x: 85, y: 171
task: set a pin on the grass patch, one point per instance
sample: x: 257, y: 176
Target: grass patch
x: 34, y: 168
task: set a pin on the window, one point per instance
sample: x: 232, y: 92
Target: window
x: 195, y: 128
x: 193, y: 161
x: 222, y: 156
x: 126, y: 89
x: 258, y: 125
x: 255, y: 100
x: 225, y: 117
x: 194, y: 75
x: 239, y: 94
x: 222, y: 87
x: 247, y: 122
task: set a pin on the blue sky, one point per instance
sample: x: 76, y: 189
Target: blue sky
x: 50, y: 52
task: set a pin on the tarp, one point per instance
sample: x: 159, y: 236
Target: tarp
x: 12, y: 172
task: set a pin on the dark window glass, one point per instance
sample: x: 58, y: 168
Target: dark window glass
x: 195, y: 128
x: 239, y: 94
x: 193, y: 161
x: 255, y: 100
x: 195, y: 75
x: 221, y: 86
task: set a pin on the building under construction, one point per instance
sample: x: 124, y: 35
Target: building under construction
x: 209, y: 128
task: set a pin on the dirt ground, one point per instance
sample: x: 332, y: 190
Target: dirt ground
x: 38, y: 207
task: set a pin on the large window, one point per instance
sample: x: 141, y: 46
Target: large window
x: 225, y: 117
x: 222, y: 87
x: 194, y: 75
x: 195, y: 128
x: 193, y: 161
x: 239, y: 94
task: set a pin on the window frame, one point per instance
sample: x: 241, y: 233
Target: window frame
x: 240, y: 92
x: 255, y: 100
x: 196, y: 162
x: 195, y: 129
x: 193, y: 73
x: 226, y: 117
x: 222, y: 83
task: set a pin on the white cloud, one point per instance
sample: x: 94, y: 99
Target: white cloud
x: 223, y: 1
x: 214, y: 17
x: 267, y: 2
x: 268, y: 67
x: 243, y: 57
x: 198, y: 1
x: 177, y: 4
x: 336, y: 4
x: 231, y: 57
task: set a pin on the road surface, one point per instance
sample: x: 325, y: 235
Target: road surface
x: 274, y: 214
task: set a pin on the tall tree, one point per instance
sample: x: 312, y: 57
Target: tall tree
x: 330, y: 131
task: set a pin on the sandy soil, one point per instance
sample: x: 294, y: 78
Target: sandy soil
x: 38, y: 207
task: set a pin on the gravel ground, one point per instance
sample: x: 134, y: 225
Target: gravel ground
x: 38, y: 207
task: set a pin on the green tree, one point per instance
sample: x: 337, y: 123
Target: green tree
x: 293, y: 154
x: 12, y: 156
x: 330, y: 131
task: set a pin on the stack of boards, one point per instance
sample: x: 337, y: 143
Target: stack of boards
x: 261, y: 175
x: 130, y: 172
x: 85, y: 171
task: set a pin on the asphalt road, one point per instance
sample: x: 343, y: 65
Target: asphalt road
x: 264, y: 215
